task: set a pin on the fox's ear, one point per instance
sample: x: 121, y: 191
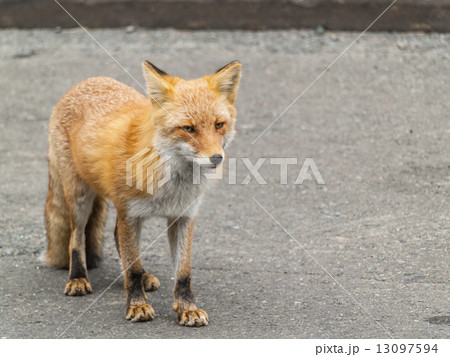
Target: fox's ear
x: 159, y: 87
x: 226, y: 80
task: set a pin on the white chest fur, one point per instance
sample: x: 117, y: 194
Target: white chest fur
x: 180, y: 196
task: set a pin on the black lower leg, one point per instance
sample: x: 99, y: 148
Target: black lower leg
x: 77, y: 268
x: 135, y: 287
x: 92, y: 257
x: 183, y: 290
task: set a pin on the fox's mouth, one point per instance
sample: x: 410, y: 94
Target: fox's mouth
x: 211, y: 166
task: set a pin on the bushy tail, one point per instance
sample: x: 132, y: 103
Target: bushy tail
x: 57, y: 223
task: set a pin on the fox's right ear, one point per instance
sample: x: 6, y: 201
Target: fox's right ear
x: 159, y: 87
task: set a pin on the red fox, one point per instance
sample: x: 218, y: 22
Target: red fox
x: 95, y: 130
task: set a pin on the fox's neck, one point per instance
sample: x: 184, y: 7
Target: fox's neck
x: 141, y: 135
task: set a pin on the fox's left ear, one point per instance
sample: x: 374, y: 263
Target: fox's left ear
x: 226, y: 80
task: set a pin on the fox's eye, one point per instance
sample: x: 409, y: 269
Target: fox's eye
x: 188, y: 129
x: 219, y: 125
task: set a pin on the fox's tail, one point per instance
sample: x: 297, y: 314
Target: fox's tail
x: 57, y: 223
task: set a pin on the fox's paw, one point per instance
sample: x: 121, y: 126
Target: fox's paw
x: 192, y: 317
x: 140, y: 313
x: 78, y: 287
x: 150, y: 281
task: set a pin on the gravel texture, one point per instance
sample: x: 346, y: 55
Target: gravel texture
x: 377, y: 126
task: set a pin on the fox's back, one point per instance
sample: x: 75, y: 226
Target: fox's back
x: 95, y: 99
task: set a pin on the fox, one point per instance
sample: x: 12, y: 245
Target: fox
x: 101, y: 125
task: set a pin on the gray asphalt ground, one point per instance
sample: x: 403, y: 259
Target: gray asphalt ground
x: 377, y: 126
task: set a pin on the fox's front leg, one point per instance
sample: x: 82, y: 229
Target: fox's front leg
x: 128, y: 230
x: 180, y: 234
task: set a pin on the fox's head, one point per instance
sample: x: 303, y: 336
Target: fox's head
x: 194, y: 119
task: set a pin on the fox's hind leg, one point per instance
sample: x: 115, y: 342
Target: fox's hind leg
x: 79, y: 198
x: 94, y: 232
x: 150, y: 281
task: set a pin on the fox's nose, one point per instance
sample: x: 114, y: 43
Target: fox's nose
x: 216, y: 159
